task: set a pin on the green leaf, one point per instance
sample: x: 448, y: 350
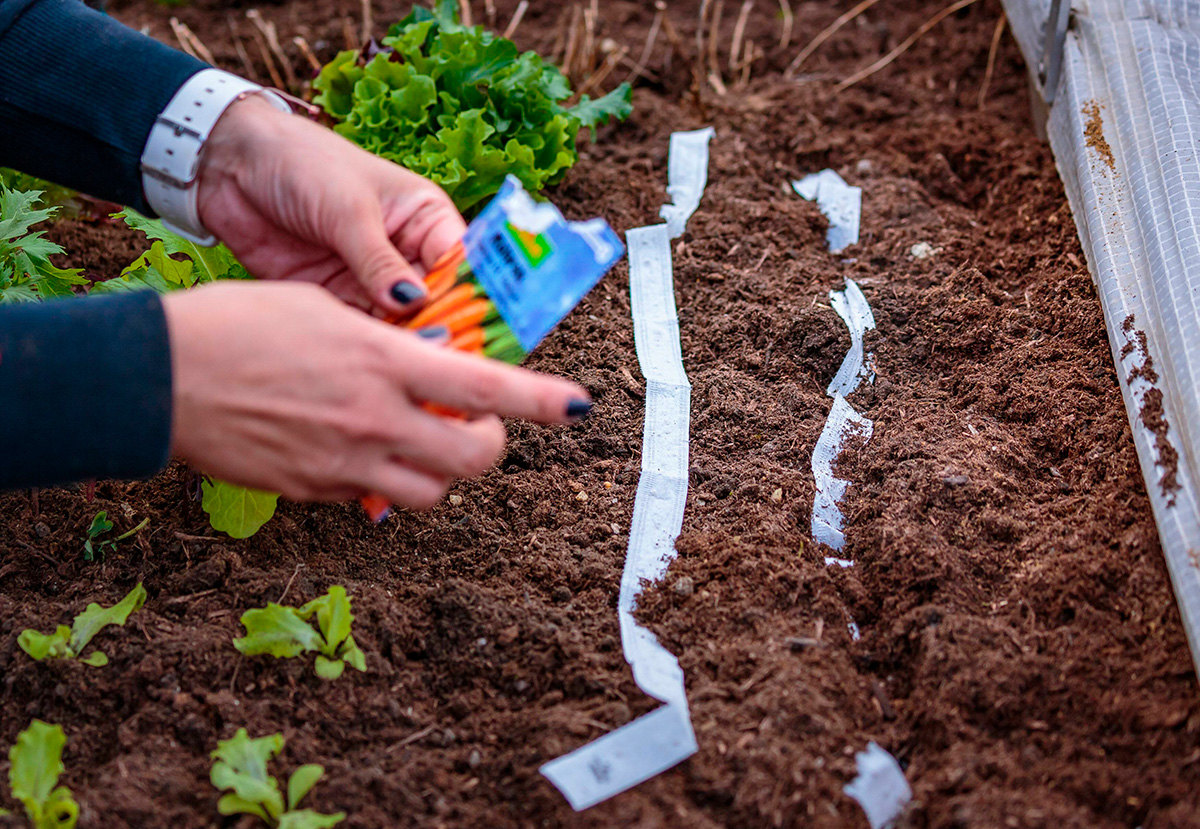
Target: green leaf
x: 35, y: 765
x: 60, y: 810
x: 353, y: 655
x: 235, y: 510
x: 40, y: 646
x: 617, y: 104
x: 209, y: 264
x: 301, y: 783
x: 328, y: 668
x: 333, y: 617
x: 94, y: 618
x: 241, y: 765
x: 461, y: 106
x: 100, y: 525
x: 231, y: 804
x: 308, y: 819
x: 277, y: 631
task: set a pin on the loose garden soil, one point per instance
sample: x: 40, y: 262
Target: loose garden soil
x: 1021, y: 653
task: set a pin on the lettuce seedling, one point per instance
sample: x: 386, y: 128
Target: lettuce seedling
x: 35, y: 766
x: 286, y: 632
x: 69, y: 642
x: 241, y: 768
x: 94, y: 545
x: 26, y: 272
x: 461, y: 105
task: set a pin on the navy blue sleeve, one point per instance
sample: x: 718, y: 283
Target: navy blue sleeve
x: 85, y: 384
x: 79, y: 93
x: 85, y: 387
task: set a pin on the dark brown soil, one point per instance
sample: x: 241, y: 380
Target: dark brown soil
x: 1021, y: 653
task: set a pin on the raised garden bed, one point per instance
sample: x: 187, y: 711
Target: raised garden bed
x: 1021, y: 653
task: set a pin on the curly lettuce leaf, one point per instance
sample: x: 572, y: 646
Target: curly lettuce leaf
x: 461, y: 106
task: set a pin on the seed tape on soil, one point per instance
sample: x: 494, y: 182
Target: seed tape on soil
x: 1124, y: 125
x: 659, y: 740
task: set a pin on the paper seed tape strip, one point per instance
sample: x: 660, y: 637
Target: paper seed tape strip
x: 1124, y: 124
x: 654, y: 742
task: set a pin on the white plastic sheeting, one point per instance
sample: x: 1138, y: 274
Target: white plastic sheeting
x: 1125, y: 129
x: 880, y: 787
x: 843, y: 423
x: 654, y: 742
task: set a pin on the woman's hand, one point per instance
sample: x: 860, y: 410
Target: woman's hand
x: 294, y: 200
x: 284, y: 388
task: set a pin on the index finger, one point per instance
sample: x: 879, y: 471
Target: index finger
x: 478, y: 385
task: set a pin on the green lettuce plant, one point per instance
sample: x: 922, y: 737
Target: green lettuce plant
x: 69, y: 642
x: 241, y: 771
x: 286, y: 632
x: 26, y: 272
x: 35, y: 764
x: 461, y: 105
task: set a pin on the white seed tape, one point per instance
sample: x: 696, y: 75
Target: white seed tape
x: 852, y: 307
x: 880, y: 787
x: 841, y: 204
x: 687, y: 175
x: 1125, y: 130
x: 655, y: 742
x: 843, y: 424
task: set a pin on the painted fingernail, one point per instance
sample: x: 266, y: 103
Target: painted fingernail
x: 406, y: 292
x: 433, y: 332
x: 578, y: 409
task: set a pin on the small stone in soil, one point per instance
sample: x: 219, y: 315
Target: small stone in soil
x: 684, y: 586
x: 797, y: 644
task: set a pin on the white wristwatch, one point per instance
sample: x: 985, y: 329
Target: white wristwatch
x: 171, y: 158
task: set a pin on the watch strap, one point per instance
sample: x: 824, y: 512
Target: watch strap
x: 171, y: 157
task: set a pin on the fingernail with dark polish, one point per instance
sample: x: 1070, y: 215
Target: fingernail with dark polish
x: 433, y: 332
x: 406, y: 292
x: 578, y: 409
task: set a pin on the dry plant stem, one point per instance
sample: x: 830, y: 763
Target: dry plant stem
x: 240, y: 48
x: 560, y: 36
x: 265, y: 52
x: 489, y: 11
x: 739, y: 33
x: 714, y: 34
x: 599, y: 76
x: 568, y: 62
x: 590, y: 15
x: 464, y: 13
x: 307, y: 52
x: 349, y: 35
x: 184, y: 43
x: 517, y: 17
x: 903, y: 47
x: 639, y: 68
x: 997, y: 33
x: 825, y: 34
x: 789, y: 20
x: 183, y: 32
x: 368, y: 20
x: 673, y: 38
x: 271, y: 36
